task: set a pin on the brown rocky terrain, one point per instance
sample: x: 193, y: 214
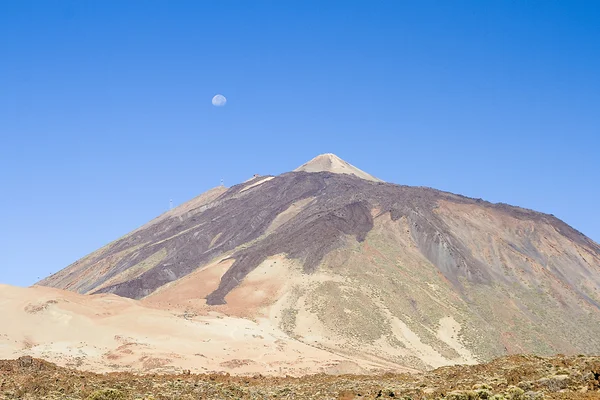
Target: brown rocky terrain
x: 514, y: 377
x: 384, y: 275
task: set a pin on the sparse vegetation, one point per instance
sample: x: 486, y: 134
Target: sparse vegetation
x: 107, y: 394
x: 29, y: 378
x: 288, y: 321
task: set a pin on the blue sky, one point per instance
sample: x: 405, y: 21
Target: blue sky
x: 105, y: 107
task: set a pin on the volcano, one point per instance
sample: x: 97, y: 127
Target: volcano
x: 340, y: 260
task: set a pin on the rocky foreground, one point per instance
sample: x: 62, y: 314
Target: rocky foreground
x: 514, y: 377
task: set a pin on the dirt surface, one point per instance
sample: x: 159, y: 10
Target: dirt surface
x: 516, y: 377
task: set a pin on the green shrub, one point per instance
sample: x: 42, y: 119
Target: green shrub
x: 462, y: 395
x: 483, y: 394
x: 515, y: 393
x: 107, y: 394
x: 478, y: 394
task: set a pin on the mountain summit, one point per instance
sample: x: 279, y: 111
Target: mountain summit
x: 394, y: 275
x: 331, y: 163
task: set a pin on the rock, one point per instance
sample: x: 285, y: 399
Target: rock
x: 25, y: 361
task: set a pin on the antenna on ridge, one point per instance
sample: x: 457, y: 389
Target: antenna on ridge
x: 222, y: 184
x: 170, y: 204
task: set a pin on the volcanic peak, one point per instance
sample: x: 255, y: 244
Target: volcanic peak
x: 331, y: 163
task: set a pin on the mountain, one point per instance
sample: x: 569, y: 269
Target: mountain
x: 332, y: 163
x: 339, y: 260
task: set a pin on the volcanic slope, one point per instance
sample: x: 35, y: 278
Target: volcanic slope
x: 340, y: 260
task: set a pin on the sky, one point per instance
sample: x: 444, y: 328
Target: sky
x: 106, y: 113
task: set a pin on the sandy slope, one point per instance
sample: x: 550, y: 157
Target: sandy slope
x: 280, y: 294
x: 108, y: 333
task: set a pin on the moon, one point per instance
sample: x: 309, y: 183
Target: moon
x: 219, y: 100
